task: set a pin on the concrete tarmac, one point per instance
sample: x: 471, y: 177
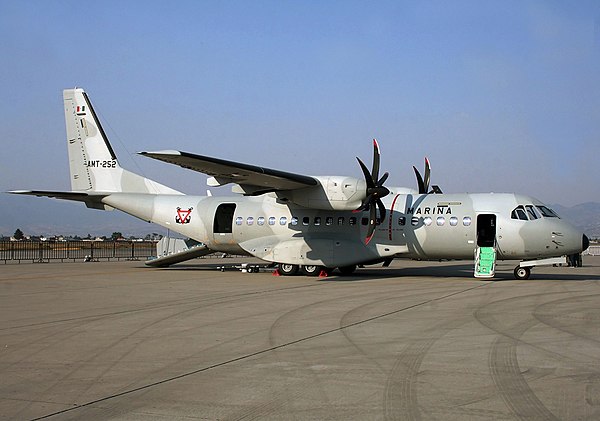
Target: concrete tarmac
x: 117, y: 340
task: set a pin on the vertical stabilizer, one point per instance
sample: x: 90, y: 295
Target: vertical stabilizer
x: 92, y: 160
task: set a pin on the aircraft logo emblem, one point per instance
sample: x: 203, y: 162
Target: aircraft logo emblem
x: 183, y: 216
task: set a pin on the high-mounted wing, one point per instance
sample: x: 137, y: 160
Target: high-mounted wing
x: 258, y: 179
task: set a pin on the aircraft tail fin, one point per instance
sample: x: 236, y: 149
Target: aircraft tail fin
x: 93, y: 164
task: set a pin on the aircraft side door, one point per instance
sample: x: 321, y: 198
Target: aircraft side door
x: 486, y: 230
x: 223, y: 223
x: 485, y: 253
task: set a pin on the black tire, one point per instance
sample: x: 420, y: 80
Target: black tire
x: 311, y: 270
x: 287, y: 269
x: 347, y: 270
x: 522, y: 272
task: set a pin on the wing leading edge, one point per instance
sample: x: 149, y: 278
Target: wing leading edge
x: 253, y: 179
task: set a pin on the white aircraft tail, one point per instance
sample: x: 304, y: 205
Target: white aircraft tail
x: 92, y: 160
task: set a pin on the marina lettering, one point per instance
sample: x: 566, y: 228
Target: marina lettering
x: 439, y: 210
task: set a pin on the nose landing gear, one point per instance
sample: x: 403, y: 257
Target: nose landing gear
x: 522, y: 272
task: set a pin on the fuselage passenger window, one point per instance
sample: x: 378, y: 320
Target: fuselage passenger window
x: 260, y: 220
x: 271, y: 220
x: 341, y: 220
x: 352, y: 220
x: 329, y: 220
x: 283, y: 220
x: 402, y: 221
x: 305, y: 220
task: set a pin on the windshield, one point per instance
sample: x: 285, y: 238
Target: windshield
x: 547, y: 212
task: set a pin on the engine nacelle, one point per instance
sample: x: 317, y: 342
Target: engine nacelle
x: 332, y: 193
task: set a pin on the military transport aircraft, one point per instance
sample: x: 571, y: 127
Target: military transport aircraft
x: 313, y: 224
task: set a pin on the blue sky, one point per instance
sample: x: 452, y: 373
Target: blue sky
x: 501, y: 96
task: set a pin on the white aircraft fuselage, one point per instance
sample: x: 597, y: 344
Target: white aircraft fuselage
x: 440, y: 226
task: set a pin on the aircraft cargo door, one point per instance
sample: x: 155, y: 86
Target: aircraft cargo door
x: 485, y: 254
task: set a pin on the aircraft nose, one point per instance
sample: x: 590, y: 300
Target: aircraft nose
x: 585, y: 243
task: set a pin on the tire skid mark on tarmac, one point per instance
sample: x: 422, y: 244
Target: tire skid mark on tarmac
x: 400, y: 396
x: 345, y: 320
x: 284, y: 397
x: 279, y: 326
x: 552, y: 315
x: 205, y: 303
x: 99, y: 352
x: 162, y: 304
x: 247, y: 356
x: 502, y: 360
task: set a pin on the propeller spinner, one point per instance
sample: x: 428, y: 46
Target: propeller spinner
x: 375, y: 192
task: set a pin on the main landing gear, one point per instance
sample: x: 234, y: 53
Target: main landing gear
x: 312, y: 270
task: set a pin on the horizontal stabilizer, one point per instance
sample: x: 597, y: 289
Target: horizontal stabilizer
x: 182, y: 256
x: 67, y: 195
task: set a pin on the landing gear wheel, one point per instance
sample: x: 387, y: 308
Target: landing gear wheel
x: 287, y: 269
x: 347, y: 270
x: 522, y: 272
x: 311, y: 270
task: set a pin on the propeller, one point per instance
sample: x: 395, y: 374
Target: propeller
x: 375, y: 191
x: 423, y: 182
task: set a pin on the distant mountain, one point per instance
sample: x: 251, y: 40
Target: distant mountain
x: 585, y: 216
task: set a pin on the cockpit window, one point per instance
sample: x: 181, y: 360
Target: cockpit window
x: 547, y: 212
x: 519, y: 213
x: 531, y: 212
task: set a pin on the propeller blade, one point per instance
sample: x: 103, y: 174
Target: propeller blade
x: 383, y: 178
x: 420, y: 181
x: 365, y: 170
x: 427, y: 175
x: 376, y: 157
x: 372, y: 224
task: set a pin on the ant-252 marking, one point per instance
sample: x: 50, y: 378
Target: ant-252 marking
x: 102, y: 164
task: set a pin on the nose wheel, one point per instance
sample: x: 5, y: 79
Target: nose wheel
x: 522, y: 272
